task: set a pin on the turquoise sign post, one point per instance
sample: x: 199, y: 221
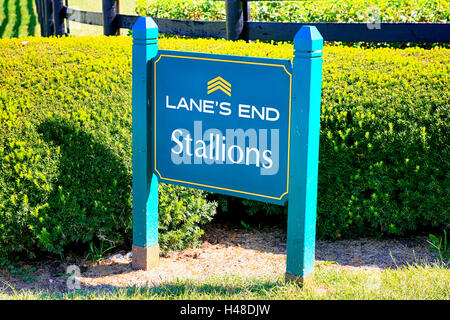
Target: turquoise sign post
x: 241, y: 126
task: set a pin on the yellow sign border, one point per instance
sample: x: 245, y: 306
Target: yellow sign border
x: 231, y: 61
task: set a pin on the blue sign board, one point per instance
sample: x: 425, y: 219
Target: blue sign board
x: 221, y: 123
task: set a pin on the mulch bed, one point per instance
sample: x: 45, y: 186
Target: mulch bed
x: 224, y: 251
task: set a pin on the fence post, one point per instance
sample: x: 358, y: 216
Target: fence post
x: 66, y: 3
x: 58, y: 16
x: 145, y: 184
x: 304, y: 154
x: 110, y: 10
x: 246, y: 17
x: 235, y: 19
x: 39, y: 14
x: 47, y: 20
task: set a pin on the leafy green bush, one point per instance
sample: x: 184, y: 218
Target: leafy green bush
x: 368, y: 11
x: 65, y: 143
x: 65, y: 149
x: 384, y: 157
x: 304, y: 11
x: 182, y: 211
x: 189, y: 10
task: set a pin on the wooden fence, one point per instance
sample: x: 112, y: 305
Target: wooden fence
x: 53, y: 14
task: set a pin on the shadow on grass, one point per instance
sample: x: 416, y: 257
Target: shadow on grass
x: 18, y: 22
x: 5, y: 22
x: 18, y: 18
x: 177, y: 289
x: 180, y: 289
x: 33, y: 19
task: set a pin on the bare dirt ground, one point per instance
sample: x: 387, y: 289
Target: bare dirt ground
x: 223, y: 251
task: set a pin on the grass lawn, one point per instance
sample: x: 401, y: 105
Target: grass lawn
x: 126, y: 6
x: 427, y: 282
x: 18, y: 18
x: 79, y: 29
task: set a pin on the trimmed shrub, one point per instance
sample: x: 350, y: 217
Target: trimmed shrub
x: 181, y: 213
x: 65, y: 150
x: 65, y: 143
x: 304, y: 11
x: 367, y: 11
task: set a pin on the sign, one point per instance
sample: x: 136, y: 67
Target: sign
x: 221, y: 123
x: 242, y: 126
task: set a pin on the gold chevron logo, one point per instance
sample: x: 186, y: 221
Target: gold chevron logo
x: 219, y: 84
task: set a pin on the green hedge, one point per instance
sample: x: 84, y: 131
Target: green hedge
x: 369, y: 11
x: 65, y: 150
x: 65, y: 143
x: 304, y: 11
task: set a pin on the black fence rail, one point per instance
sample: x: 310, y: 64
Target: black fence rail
x: 53, y: 14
